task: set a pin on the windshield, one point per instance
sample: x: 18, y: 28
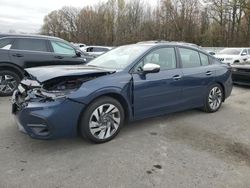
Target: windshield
x: 230, y: 51
x: 120, y: 57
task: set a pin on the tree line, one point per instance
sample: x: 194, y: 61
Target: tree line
x: 116, y: 22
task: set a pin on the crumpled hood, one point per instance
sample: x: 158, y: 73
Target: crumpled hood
x: 46, y: 73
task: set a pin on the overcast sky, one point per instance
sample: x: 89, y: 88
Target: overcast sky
x: 27, y: 15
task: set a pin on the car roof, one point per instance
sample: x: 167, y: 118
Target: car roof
x: 164, y: 42
x: 29, y: 36
x: 172, y: 43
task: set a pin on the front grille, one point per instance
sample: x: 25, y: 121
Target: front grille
x: 221, y: 59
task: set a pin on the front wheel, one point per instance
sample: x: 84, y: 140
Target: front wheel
x: 214, y: 98
x: 102, y: 120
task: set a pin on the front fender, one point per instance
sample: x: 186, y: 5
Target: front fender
x: 123, y: 95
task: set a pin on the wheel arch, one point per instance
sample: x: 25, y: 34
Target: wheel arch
x: 128, y: 112
x: 10, y: 67
x: 119, y: 97
x: 223, y: 89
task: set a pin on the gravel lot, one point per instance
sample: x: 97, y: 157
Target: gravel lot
x: 187, y: 149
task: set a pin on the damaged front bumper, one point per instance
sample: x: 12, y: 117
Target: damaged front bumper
x: 46, y: 119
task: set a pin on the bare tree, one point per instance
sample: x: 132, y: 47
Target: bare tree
x: 117, y: 22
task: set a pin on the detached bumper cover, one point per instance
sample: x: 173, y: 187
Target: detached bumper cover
x: 49, y: 120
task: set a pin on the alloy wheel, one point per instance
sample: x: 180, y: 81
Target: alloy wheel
x: 7, y: 84
x: 215, y: 98
x: 104, y: 121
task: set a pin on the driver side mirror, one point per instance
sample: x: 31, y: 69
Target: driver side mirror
x: 151, y: 68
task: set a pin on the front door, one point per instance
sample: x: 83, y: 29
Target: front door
x: 157, y: 93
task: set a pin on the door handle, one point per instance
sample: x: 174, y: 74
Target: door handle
x: 17, y: 55
x: 59, y: 57
x: 177, y: 77
x: 208, y: 73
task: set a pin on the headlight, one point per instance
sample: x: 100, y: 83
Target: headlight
x: 56, y: 94
x: 50, y: 95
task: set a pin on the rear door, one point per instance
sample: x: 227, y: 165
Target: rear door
x: 64, y: 54
x: 5, y: 45
x: 30, y: 52
x: 198, y: 74
x: 157, y: 93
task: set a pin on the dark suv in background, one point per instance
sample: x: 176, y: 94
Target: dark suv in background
x: 18, y: 52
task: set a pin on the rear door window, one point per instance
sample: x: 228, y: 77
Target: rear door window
x: 5, y: 43
x: 38, y: 45
x: 189, y: 58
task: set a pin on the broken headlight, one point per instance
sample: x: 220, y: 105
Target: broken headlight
x: 55, y: 94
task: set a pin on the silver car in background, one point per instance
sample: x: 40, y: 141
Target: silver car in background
x: 95, y: 50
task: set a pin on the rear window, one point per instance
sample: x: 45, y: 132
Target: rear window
x: 213, y: 60
x: 31, y: 45
x: 5, y: 43
x: 204, y: 59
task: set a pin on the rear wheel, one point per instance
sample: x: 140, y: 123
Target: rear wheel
x: 8, y: 82
x: 214, y: 98
x: 102, y: 120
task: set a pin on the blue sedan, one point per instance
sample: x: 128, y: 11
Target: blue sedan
x: 128, y: 83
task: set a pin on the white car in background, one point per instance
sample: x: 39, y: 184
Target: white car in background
x: 79, y: 45
x: 233, y: 55
x: 95, y: 50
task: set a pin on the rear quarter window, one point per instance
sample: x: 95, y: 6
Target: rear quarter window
x: 213, y: 60
x: 204, y: 59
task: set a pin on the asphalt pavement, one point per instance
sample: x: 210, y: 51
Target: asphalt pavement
x: 186, y: 149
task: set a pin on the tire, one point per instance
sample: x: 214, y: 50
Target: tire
x: 9, y: 81
x: 214, y: 98
x: 102, y: 127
